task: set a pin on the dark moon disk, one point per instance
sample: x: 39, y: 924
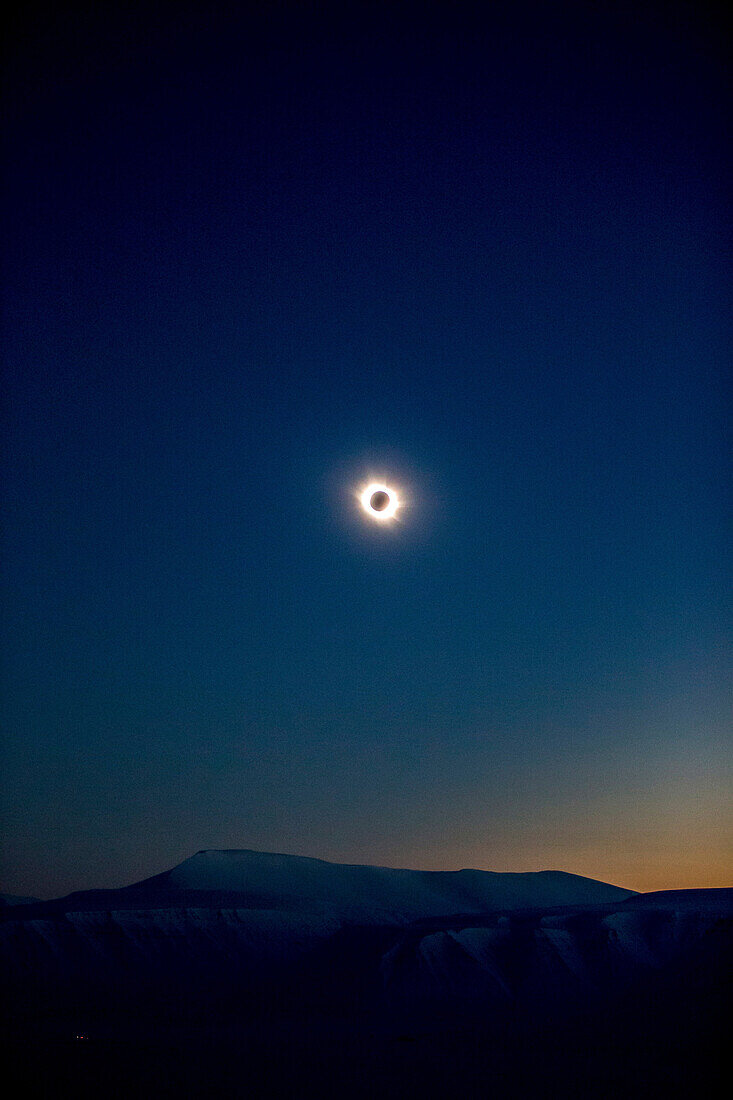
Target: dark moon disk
x: 379, y: 501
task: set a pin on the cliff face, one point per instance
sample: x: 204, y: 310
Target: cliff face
x: 553, y: 961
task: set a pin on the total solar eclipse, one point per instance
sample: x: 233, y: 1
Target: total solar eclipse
x: 379, y: 501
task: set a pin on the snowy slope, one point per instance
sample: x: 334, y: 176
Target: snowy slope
x: 555, y: 958
x: 369, y: 893
x: 243, y: 879
x: 154, y: 945
x: 181, y: 963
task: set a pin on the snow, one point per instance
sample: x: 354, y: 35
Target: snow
x: 236, y: 927
x: 383, y: 894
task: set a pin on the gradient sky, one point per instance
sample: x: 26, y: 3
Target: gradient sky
x: 251, y: 261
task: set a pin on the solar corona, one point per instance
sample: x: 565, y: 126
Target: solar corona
x: 379, y: 502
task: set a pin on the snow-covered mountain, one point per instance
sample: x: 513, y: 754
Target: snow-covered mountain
x: 244, y: 879
x: 358, y: 891
x: 273, y: 953
x: 165, y: 958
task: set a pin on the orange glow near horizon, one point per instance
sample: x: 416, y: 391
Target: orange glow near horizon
x: 684, y: 869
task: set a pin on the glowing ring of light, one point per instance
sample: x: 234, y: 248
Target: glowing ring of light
x: 383, y: 513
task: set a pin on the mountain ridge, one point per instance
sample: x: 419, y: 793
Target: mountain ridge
x: 245, y: 878
x: 353, y: 962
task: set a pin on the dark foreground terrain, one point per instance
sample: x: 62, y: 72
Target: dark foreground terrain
x: 245, y: 975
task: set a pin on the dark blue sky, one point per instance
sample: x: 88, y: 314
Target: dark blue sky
x: 250, y: 261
